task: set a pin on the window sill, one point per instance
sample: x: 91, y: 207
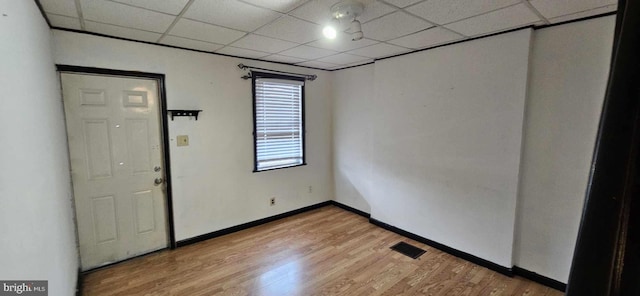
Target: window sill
x: 279, y: 168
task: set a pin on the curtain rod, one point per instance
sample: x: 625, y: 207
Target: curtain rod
x: 247, y: 76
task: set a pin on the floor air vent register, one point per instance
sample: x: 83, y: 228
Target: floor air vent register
x: 408, y: 250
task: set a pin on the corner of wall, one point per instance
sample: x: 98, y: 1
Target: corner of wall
x: 36, y: 192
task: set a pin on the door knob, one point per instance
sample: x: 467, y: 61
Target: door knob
x: 158, y: 181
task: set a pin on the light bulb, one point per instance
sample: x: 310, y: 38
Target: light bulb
x: 329, y: 32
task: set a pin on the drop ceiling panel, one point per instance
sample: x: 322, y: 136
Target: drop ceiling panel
x: 241, y: 52
x: 343, y: 59
x: 402, y: 3
x: 317, y: 64
x: 261, y: 43
x: 503, y: 19
x: 283, y: 59
x: 342, y: 43
x: 205, y: 32
x: 125, y: 16
x: 173, y: 7
x: 61, y: 7
x: 555, y: 8
x: 587, y: 13
x: 447, y: 11
x: 426, y: 38
x: 230, y: 13
x: 262, y: 29
x: 277, y: 5
x: 317, y: 11
x: 190, y: 43
x: 379, y: 50
x: 393, y: 26
x: 307, y: 52
x: 64, y: 21
x: 374, y: 10
x: 123, y: 32
x: 291, y: 29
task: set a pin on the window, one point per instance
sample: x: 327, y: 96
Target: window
x: 278, y: 129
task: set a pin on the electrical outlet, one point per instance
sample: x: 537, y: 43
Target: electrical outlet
x: 272, y: 201
x: 183, y: 140
x: 310, y: 189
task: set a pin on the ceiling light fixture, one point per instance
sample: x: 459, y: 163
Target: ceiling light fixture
x: 330, y: 31
x: 347, y: 10
x: 356, y: 30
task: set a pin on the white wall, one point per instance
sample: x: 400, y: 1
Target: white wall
x: 436, y: 158
x: 411, y: 186
x: 213, y: 183
x: 37, y: 234
x: 446, y: 144
x: 431, y: 142
x: 568, y: 78
x: 352, y: 136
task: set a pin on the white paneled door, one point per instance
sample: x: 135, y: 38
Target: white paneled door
x: 115, y: 145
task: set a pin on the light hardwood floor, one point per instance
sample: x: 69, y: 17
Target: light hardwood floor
x: 328, y: 251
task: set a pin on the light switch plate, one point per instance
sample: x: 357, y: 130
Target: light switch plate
x: 183, y: 140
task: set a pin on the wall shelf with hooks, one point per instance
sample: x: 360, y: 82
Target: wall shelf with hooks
x: 193, y: 113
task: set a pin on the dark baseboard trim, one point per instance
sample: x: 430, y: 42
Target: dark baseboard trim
x: 515, y: 270
x: 460, y: 254
x: 541, y: 279
x: 79, y: 282
x: 247, y: 225
x: 350, y: 209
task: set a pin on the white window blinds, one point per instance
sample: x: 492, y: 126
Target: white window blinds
x: 278, y: 123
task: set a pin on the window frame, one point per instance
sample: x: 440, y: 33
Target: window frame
x: 256, y: 75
